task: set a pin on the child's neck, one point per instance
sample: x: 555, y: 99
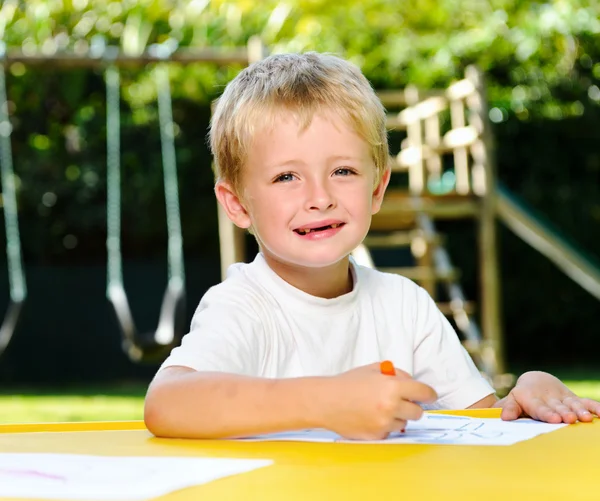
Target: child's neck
x: 329, y: 282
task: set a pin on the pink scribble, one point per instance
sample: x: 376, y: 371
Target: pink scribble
x: 33, y: 473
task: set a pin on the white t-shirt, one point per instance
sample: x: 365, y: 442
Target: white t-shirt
x: 254, y: 323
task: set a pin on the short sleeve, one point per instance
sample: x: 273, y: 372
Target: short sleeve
x: 441, y: 361
x: 225, y: 335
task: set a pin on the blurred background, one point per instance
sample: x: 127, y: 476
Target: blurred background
x: 65, y: 360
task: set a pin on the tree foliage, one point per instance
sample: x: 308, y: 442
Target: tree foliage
x: 541, y: 60
x: 542, y: 57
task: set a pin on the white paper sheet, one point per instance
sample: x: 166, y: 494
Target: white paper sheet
x: 70, y: 476
x: 436, y: 429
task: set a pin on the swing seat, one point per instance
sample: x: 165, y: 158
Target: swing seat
x: 9, y: 324
x: 151, y: 347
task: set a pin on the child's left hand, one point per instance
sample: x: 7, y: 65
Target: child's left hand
x: 542, y: 396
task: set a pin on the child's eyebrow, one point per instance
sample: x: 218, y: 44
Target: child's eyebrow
x: 297, y: 162
x: 337, y: 158
x: 286, y: 163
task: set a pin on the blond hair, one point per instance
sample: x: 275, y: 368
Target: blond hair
x: 302, y: 84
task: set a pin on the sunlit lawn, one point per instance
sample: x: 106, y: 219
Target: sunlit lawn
x: 91, y: 404
x: 589, y: 389
x: 110, y: 404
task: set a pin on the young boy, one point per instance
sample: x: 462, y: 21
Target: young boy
x: 294, y: 339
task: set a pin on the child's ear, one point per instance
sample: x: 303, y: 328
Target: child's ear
x: 380, y: 190
x: 232, y: 204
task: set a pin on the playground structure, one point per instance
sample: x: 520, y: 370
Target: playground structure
x: 447, y: 132
x: 139, y: 347
x: 431, y: 137
x: 446, y: 155
x: 448, y: 135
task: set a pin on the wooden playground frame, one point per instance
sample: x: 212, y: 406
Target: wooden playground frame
x: 108, y: 59
x: 439, y: 126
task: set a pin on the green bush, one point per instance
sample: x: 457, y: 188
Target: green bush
x: 542, y: 63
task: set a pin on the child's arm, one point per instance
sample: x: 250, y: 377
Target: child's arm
x: 361, y: 403
x: 543, y: 397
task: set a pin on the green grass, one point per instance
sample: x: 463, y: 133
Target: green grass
x: 588, y: 389
x: 66, y: 405
x: 126, y: 403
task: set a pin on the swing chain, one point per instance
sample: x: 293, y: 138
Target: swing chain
x: 16, y: 276
x: 172, y: 311
x: 167, y: 137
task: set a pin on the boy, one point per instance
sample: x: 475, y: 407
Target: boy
x: 294, y: 339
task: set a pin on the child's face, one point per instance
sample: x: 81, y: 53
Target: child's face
x: 309, y: 195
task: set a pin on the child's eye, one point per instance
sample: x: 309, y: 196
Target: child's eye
x: 285, y: 178
x: 344, y: 171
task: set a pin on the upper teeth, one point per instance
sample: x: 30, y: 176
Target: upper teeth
x: 308, y: 230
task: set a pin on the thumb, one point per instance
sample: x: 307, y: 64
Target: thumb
x: 402, y: 374
x: 511, y: 409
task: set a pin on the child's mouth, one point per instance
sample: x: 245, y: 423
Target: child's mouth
x: 306, y: 231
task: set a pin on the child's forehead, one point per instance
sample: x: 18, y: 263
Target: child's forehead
x: 327, y: 140
x: 300, y: 119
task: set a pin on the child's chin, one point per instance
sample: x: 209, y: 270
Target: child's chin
x: 322, y: 261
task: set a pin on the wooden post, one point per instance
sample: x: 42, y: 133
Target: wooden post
x: 232, y: 240
x: 488, y: 245
x: 433, y: 140
x: 461, y: 159
x: 419, y: 246
x: 416, y: 171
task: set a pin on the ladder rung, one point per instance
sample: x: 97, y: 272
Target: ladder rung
x: 392, y: 121
x: 395, y: 98
x: 395, y: 165
x: 392, y: 221
x: 436, y: 205
x: 420, y: 273
x: 460, y: 90
x: 446, y: 308
x: 400, y: 239
x: 458, y: 208
x: 473, y: 347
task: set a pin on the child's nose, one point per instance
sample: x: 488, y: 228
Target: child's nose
x: 319, y: 197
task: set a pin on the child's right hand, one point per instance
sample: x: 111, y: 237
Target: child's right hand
x: 364, y: 404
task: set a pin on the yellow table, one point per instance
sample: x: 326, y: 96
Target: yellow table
x: 561, y: 466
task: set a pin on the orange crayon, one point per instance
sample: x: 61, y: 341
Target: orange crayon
x: 387, y: 368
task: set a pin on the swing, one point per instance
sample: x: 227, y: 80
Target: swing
x: 16, y: 276
x: 148, y: 347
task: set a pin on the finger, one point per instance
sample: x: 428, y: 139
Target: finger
x: 592, y: 405
x: 375, y: 367
x: 543, y: 412
x: 398, y: 425
x: 417, y: 392
x: 408, y: 411
x: 378, y: 435
x: 402, y: 374
x: 511, y: 410
x: 567, y: 415
x: 578, y: 406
